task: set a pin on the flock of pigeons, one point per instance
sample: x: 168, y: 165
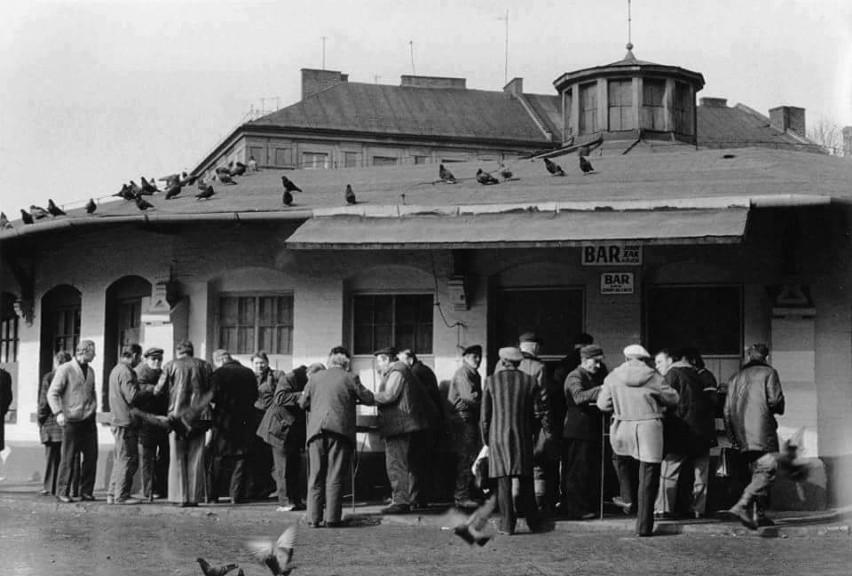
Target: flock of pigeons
x: 175, y: 184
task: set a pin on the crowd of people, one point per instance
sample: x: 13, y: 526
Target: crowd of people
x: 202, y: 429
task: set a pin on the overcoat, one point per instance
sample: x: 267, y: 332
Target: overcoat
x: 330, y: 398
x: 754, y: 398
x: 689, y: 429
x: 234, y: 394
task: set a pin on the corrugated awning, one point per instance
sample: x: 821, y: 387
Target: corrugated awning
x: 522, y: 229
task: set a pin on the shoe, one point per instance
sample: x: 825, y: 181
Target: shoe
x: 315, y: 524
x: 299, y: 507
x: 626, y: 507
x: 87, y: 498
x: 664, y: 516
x: 286, y: 508
x: 43, y: 492
x: 740, y: 513
x: 65, y: 499
x: 467, y: 504
x: 397, y: 509
x: 128, y: 501
x: 110, y: 499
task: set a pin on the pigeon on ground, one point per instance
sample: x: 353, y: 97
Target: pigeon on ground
x: 143, y: 204
x: 4, y: 222
x: 585, y: 165
x: 485, y: 178
x: 38, y: 212
x: 278, y: 555
x: 505, y: 173
x: 148, y: 187
x: 219, y: 570
x: 91, y: 206
x: 225, y: 178
x: 553, y: 167
x: 472, y: 529
x: 173, y: 190
x: 26, y: 217
x: 287, y: 198
x: 350, y: 195
x: 445, y: 175
x: 289, y: 185
x: 206, y: 192
x: 54, y: 209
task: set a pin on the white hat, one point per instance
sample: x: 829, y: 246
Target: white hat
x: 636, y: 351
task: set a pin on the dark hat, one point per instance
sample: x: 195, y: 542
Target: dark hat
x: 475, y: 349
x: 529, y: 337
x: 583, y: 339
x: 390, y: 352
x: 153, y: 352
x: 511, y: 354
x: 591, y: 351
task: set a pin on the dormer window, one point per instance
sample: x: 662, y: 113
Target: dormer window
x: 620, y: 102
x: 589, y: 108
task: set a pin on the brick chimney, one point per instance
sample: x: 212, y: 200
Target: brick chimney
x: 408, y: 81
x: 847, y: 141
x: 315, y: 81
x: 790, y: 118
x: 708, y: 102
x: 515, y: 87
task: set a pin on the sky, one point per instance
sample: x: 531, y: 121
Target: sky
x: 97, y: 93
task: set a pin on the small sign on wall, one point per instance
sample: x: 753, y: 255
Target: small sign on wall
x: 617, y: 283
x: 611, y: 255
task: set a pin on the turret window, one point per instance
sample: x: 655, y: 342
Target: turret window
x: 620, y: 101
x: 653, y: 99
x: 588, y: 108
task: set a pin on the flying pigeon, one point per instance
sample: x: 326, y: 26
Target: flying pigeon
x: 289, y: 185
x: 210, y: 570
x: 173, y: 190
x: 553, y: 167
x: 445, y: 175
x: 505, y: 172
x: 485, y: 178
x: 4, y: 222
x: 26, y: 217
x: 585, y: 165
x: 287, y: 198
x: 225, y: 178
x: 206, y: 192
x: 277, y: 556
x: 472, y: 529
x: 54, y: 209
x: 148, y: 187
x: 91, y: 206
x: 38, y: 212
x: 143, y: 204
x: 350, y: 196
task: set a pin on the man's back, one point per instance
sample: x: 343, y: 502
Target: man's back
x: 754, y: 397
x: 330, y: 397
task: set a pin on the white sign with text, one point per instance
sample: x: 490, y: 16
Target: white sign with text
x: 617, y: 283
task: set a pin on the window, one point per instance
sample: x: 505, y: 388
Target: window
x: 588, y: 108
x: 707, y: 317
x: 350, y: 159
x: 653, y: 99
x: 314, y: 160
x: 554, y: 314
x: 66, y: 329
x: 251, y: 323
x: 620, y: 102
x: 401, y: 320
x: 683, y: 109
x: 8, y: 329
x: 283, y: 157
x: 129, y: 322
x: 384, y: 161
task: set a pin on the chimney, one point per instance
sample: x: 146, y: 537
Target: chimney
x: 408, y: 81
x: 708, y: 102
x: 847, y: 141
x: 786, y: 118
x: 315, y: 81
x: 515, y: 87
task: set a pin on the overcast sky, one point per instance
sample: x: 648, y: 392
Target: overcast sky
x: 96, y: 93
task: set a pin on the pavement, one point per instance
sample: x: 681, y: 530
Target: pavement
x: 25, y: 498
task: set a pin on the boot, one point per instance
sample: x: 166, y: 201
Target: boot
x: 742, y: 512
x: 759, y: 514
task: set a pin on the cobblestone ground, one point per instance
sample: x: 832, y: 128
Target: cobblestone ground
x: 41, y: 542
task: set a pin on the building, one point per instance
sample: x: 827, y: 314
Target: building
x: 675, y: 238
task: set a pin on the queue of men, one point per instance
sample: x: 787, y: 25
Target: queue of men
x: 202, y: 427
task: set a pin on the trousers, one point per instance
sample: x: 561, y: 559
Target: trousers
x: 125, y: 462
x: 79, y: 440
x: 669, y: 478
x: 329, y: 455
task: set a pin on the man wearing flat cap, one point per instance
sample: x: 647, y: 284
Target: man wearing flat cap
x: 581, y: 436
x: 512, y: 413
x: 465, y: 399
x: 154, y: 440
x: 402, y: 403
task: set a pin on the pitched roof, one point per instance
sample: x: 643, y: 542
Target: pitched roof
x: 406, y: 110
x: 739, y: 126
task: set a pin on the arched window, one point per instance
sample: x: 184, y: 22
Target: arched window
x: 60, y: 323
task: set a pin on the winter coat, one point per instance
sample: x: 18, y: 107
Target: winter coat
x: 689, y: 429
x: 512, y: 414
x: 636, y: 395
x: 284, y: 421
x: 272, y: 428
x: 5, y: 403
x: 754, y: 397
x: 582, y: 419
x: 73, y: 394
x: 409, y: 411
x: 124, y: 394
x: 329, y: 398
x: 48, y: 429
x: 429, y: 383
x: 186, y: 382
x: 465, y: 394
x: 234, y: 395
x: 147, y: 377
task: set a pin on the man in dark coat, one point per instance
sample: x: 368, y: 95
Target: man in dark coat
x: 689, y: 431
x: 465, y: 399
x: 330, y: 399
x: 234, y: 395
x: 124, y: 394
x: 261, y: 472
x: 581, y: 435
x: 403, y: 410
x: 754, y: 398
x: 49, y: 431
x: 512, y: 413
x: 5, y: 403
x: 153, y: 439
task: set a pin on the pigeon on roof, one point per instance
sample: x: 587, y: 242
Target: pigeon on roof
x: 148, y: 187
x: 553, y: 167
x: 289, y: 185
x: 287, y: 198
x: 585, y: 165
x: 350, y: 195
x: 485, y: 178
x: 26, y: 217
x: 505, y: 172
x: 173, y: 190
x: 91, y: 206
x: 445, y: 175
x: 126, y: 193
x: 219, y: 570
x: 205, y: 193
x: 143, y: 204
x: 136, y: 189
x: 278, y: 555
x: 4, y: 222
x: 186, y: 180
x: 54, y: 209
x: 225, y: 178
x: 239, y: 169
x: 38, y: 212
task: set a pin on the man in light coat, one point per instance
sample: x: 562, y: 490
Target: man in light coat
x: 72, y: 400
x: 754, y: 398
x: 636, y: 395
x: 124, y: 394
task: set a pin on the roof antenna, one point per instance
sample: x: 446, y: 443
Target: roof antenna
x: 506, y: 58
x: 323, y: 51
x: 411, y: 47
x: 629, y: 27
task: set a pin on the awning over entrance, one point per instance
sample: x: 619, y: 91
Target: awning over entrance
x: 522, y: 229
